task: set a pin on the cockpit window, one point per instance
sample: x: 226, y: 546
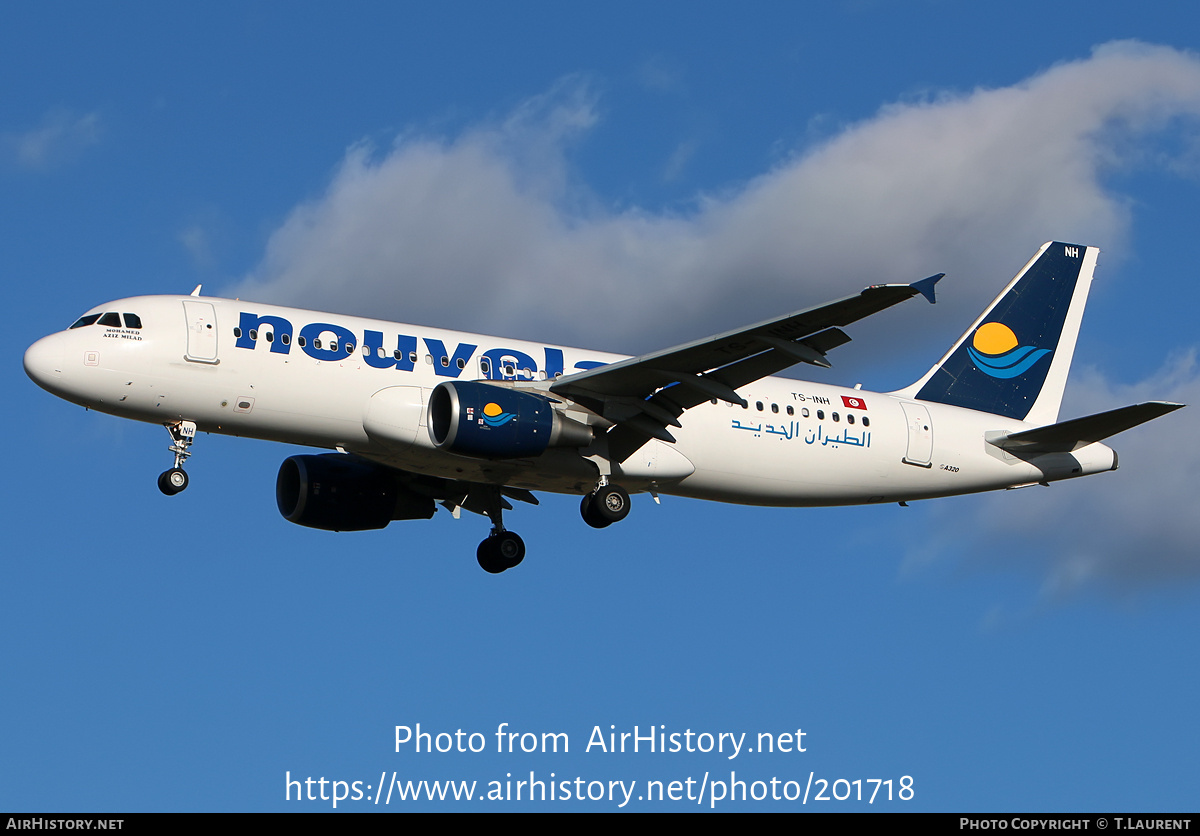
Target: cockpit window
x: 132, y: 320
x: 111, y: 320
x: 84, y: 321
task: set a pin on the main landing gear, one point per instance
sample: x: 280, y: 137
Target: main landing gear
x: 605, y: 505
x: 502, y: 549
x: 175, y: 480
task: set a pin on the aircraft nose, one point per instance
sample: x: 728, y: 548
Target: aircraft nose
x: 44, y: 362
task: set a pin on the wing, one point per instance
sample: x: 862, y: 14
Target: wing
x: 644, y: 395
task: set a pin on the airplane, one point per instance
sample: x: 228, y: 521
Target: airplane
x: 421, y: 416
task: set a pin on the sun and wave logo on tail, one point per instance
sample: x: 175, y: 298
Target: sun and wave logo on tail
x: 494, y: 416
x: 997, y: 352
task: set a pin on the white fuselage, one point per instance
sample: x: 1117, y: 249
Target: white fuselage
x: 361, y: 385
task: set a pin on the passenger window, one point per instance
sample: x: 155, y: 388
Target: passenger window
x: 758, y: 406
x: 270, y: 335
x: 237, y: 332
x: 866, y: 421
x: 820, y: 415
x: 462, y: 364
x: 133, y: 321
x: 791, y: 411
x: 484, y: 366
x: 111, y: 320
x: 349, y: 348
x: 300, y: 341
x: 445, y: 362
x: 84, y: 321
x: 775, y: 407
x: 835, y: 417
x: 285, y: 339
x: 849, y: 418
x: 254, y: 334
x: 804, y: 411
x: 317, y: 343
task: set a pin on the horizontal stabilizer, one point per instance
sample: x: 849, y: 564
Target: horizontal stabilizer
x: 1080, y: 432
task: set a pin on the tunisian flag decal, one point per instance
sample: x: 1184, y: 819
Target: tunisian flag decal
x: 853, y: 403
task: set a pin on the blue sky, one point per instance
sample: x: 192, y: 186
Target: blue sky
x: 624, y: 179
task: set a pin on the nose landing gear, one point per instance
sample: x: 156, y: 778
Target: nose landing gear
x: 173, y: 481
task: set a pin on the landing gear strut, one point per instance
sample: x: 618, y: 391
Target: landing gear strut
x: 175, y: 480
x: 605, y: 505
x: 502, y: 549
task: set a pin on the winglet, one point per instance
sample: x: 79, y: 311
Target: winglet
x: 196, y: 292
x: 925, y: 287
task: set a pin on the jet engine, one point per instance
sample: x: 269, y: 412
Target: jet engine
x: 337, y: 492
x: 495, y: 422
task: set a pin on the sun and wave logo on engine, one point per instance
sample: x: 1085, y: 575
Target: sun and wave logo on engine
x: 494, y: 416
x: 997, y: 352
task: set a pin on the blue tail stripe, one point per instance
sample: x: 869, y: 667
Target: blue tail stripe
x: 1000, y: 361
x: 1008, y: 371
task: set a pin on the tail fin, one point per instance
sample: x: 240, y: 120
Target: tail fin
x: 1014, y: 359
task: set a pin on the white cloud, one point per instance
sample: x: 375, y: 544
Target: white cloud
x: 60, y: 138
x: 677, y: 163
x: 493, y: 231
x: 196, y: 241
x: 660, y: 75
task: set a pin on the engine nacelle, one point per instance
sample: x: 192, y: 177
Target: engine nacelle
x: 495, y: 422
x: 336, y: 492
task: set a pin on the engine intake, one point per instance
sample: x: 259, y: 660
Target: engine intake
x: 494, y: 422
x: 336, y: 492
